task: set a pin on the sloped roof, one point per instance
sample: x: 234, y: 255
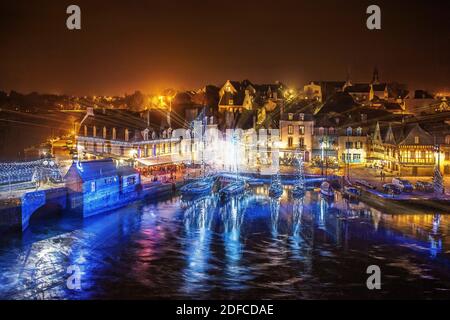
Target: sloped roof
x: 94, y: 169
x: 358, y: 88
x: 413, y: 131
x: 238, y: 98
x: 379, y: 86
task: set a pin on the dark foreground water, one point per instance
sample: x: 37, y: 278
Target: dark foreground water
x: 251, y: 247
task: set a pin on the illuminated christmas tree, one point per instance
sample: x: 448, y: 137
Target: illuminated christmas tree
x: 438, y: 181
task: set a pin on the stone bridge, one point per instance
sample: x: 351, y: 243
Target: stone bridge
x: 16, y: 213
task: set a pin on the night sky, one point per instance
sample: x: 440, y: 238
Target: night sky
x: 151, y: 45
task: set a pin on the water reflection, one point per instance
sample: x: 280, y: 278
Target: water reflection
x: 198, y: 217
x: 232, y: 215
x: 247, y: 247
x: 274, y: 215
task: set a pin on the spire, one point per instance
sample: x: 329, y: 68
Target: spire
x: 348, y: 82
x: 375, y: 76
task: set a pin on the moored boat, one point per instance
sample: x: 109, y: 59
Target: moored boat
x: 352, y: 192
x: 199, y: 187
x: 232, y: 189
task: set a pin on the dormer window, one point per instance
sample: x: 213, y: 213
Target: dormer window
x: 114, y: 134
x: 349, y: 131
x: 290, y: 116
x: 416, y: 140
x: 94, y: 131
x: 127, y: 135
x: 85, y: 131
x: 230, y: 102
x: 104, y: 132
x: 359, y: 131
x: 302, y: 116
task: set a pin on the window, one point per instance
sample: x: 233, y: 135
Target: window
x: 291, y: 116
x: 290, y: 142
x: 359, y: 131
x: 301, y: 141
x: 356, y: 157
x: 302, y: 116
x: 230, y: 102
x: 301, y: 130
x: 349, y: 131
x: 348, y: 145
x: 358, y: 145
x: 131, y: 180
x: 85, y: 130
x: 416, y: 140
x: 114, y: 133
x: 92, y: 186
x: 127, y: 135
x: 104, y: 132
x: 331, y: 130
x: 290, y: 129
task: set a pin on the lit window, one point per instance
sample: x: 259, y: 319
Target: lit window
x: 416, y: 140
x: 290, y: 116
x: 290, y: 142
x: 359, y: 131
x: 349, y: 131
x: 290, y: 129
x: 231, y: 102
x: 93, y: 186
x: 301, y: 129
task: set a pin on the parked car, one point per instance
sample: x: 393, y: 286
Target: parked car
x: 404, y: 185
x: 391, y: 188
x: 424, y: 186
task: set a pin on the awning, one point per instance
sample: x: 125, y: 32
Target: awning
x: 161, y: 160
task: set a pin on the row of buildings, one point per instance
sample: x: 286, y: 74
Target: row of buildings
x: 331, y: 123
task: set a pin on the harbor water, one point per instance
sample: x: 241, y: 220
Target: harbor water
x: 247, y: 247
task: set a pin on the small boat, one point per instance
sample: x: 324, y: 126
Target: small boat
x: 233, y: 189
x: 352, y: 192
x: 200, y: 187
x: 326, y: 189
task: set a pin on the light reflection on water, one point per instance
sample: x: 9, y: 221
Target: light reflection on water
x: 247, y: 247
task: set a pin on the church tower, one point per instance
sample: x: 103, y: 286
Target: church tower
x: 375, y: 76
